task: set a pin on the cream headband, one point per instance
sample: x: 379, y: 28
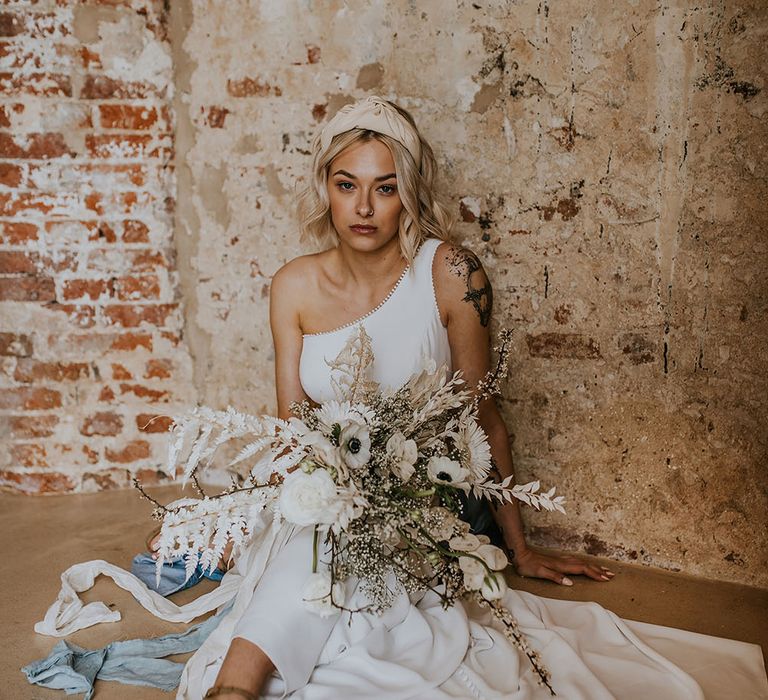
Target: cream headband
x: 375, y: 114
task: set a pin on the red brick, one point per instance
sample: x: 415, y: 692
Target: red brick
x: 313, y: 53
x: 143, y: 392
x: 132, y: 117
x: 133, y: 451
x: 319, y: 111
x: 100, y: 87
x: 12, y: 24
x: 10, y: 175
x: 25, y: 54
x: 250, y: 87
x: 36, y: 483
x: 34, y: 146
x: 106, y: 480
x: 93, y: 289
x: 172, y: 337
x: 26, y: 427
x: 29, y: 455
x: 17, y: 233
x: 152, y: 477
x: 135, y: 232
x: 639, y: 348
x: 29, y: 370
x: 15, y: 344
x: 153, y: 423
x: 132, y: 315
x: 29, y: 398
x: 120, y: 372
x: 32, y: 24
x: 157, y: 368
x: 7, y: 111
x: 131, y: 341
x: 81, y: 316
x: 89, y: 58
x: 91, y: 455
x: 102, y: 423
x: 128, y: 146
x: 563, y: 345
x: 40, y: 84
x: 14, y: 204
x: 131, y: 288
x: 27, y: 289
x: 18, y: 262
x: 147, y: 260
x: 216, y: 117
x: 106, y: 394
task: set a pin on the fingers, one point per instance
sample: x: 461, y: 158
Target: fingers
x: 572, y: 565
x: 552, y: 575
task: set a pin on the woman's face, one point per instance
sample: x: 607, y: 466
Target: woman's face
x: 362, y: 189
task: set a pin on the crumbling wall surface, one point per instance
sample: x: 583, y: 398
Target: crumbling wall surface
x: 606, y: 160
x: 91, y: 343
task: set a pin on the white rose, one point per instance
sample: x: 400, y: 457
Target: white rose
x: 404, y: 454
x: 493, y: 556
x: 494, y: 587
x: 443, y: 470
x: 464, y: 543
x: 355, y: 445
x: 316, y: 594
x: 309, y: 499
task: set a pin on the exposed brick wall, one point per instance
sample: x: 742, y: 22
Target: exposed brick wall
x: 91, y: 338
x: 606, y: 163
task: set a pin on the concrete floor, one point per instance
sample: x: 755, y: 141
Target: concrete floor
x: 43, y: 536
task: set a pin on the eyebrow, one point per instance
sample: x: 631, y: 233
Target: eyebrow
x: 376, y: 179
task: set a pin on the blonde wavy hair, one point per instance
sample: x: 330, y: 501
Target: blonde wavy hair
x: 423, y: 215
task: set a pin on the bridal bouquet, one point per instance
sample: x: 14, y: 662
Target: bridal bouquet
x: 380, y: 476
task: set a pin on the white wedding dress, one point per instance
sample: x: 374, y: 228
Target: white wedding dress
x: 416, y: 649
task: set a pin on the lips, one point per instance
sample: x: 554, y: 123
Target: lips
x: 363, y: 229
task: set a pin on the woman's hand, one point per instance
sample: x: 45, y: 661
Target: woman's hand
x: 555, y: 568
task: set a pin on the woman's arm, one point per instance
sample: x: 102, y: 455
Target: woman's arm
x: 286, y: 291
x: 465, y: 299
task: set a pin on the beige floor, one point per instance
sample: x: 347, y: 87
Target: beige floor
x: 42, y: 536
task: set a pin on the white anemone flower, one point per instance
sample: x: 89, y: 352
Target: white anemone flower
x: 355, y: 445
x: 404, y: 454
x: 316, y: 594
x: 444, y: 470
x: 494, y: 586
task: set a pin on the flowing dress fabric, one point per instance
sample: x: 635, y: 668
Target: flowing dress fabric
x: 416, y: 649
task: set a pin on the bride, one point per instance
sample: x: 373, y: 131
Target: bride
x: 389, y: 269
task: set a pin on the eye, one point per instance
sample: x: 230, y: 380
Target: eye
x: 388, y: 189
x: 345, y: 186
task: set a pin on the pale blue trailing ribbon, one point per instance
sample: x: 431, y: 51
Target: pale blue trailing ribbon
x: 135, y: 661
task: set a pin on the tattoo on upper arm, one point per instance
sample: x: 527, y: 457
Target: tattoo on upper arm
x: 465, y: 264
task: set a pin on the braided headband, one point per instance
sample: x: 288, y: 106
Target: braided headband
x: 375, y: 114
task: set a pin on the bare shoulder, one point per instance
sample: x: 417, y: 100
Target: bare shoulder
x: 297, y: 279
x: 461, y: 283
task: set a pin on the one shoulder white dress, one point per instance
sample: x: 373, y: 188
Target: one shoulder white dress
x: 416, y: 649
